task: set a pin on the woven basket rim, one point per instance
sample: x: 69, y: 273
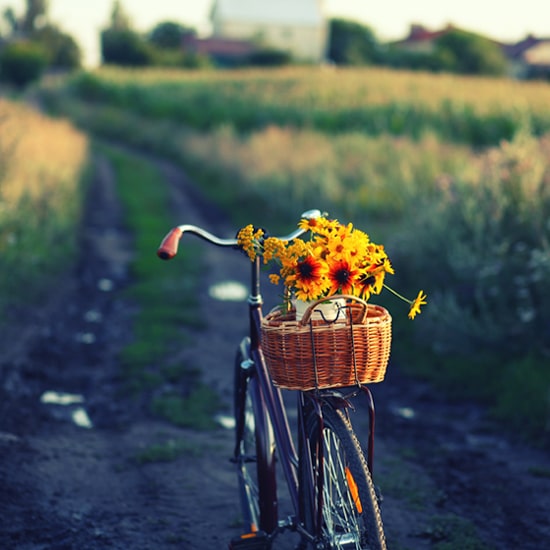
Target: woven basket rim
x: 276, y: 317
x: 350, y: 353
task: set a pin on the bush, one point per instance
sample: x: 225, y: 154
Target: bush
x: 268, y: 57
x: 124, y: 47
x: 468, y: 53
x: 22, y: 63
x: 63, y: 51
x: 352, y: 44
x: 488, y: 233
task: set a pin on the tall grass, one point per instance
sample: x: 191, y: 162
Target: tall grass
x: 286, y: 169
x: 43, y: 168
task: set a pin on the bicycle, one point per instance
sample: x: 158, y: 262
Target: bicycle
x: 328, y: 477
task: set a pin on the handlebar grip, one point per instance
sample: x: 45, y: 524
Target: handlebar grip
x: 169, y: 246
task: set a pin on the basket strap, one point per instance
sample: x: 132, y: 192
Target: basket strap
x: 353, y: 349
x: 309, y: 311
x: 312, y: 337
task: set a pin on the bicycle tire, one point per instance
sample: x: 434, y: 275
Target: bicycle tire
x: 254, y: 451
x: 351, y: 516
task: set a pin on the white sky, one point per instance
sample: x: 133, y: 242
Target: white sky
x: 389, y: 19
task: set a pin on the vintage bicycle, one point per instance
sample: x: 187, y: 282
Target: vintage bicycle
x: 334, y: 501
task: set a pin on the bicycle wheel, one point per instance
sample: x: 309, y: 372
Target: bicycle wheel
x: 350, y: 516
x: 254, y: 450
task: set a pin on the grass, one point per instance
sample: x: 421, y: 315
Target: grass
x: 195, y: 410
x: 43, y: 176
x: 479, y: 111
x: 452, y: 532
x: 170, y: 450
x: 405, y: 482
x: 166, y: 295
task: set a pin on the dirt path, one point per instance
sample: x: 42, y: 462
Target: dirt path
x: 444, y: 468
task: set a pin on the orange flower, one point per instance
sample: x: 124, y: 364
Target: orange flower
x: 342, y: 277
x: 309, y: 278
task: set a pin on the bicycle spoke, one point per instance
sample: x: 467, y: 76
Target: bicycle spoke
x: 341, y: 517
x: 350, y: 514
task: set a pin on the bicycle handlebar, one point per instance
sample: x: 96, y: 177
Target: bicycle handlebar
x: 169, y: 246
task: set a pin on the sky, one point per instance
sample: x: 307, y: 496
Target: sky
x: 389, y: 19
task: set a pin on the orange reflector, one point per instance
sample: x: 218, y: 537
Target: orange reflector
x: 354, y: 491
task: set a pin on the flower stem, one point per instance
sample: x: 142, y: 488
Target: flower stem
x: 397, y: 294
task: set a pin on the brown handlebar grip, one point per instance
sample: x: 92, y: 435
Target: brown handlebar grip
x: 169, y: 246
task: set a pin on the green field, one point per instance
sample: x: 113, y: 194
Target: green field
x: 451, y: 173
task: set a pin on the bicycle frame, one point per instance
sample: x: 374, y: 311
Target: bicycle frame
x: 269, y: 399
x: 272, y: 398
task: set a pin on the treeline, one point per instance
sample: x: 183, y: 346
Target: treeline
x: 33, y: 44
x: 350, y: 44
x: 455, y: 51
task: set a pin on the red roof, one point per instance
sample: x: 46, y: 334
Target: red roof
x: 419, y: 33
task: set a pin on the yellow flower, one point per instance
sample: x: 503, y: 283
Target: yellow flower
x: 333, y: 259
x: 250, y: 240
x: 420, y: 300
x: 272, y: 246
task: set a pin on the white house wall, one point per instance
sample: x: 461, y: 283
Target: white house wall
x: 539, y: 54
x: 298, y: 27
x: 304, y: 43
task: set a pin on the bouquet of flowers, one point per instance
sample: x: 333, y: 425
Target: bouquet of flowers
x: 332, y: 259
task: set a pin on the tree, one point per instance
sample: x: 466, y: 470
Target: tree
x: 11, y: 19
x: 35, y: 14
x: 352, y: 43
x: 22, y: 62
x: 120, y: 45
x: 469, y: 53
x: 125, y: 48
x: 63, y: 52
x: 168, y: 35
x: 59, y: 49
x: 119, y: 19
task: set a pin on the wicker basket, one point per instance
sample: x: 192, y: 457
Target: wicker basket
x: 305, y: 355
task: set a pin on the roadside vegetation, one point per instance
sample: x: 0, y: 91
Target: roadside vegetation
x: 43, y: 176
x: 450, y: 172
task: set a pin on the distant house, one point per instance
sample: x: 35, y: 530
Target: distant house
x: 296, y: 26
x: 529, y: 58
x: 421, y: 40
